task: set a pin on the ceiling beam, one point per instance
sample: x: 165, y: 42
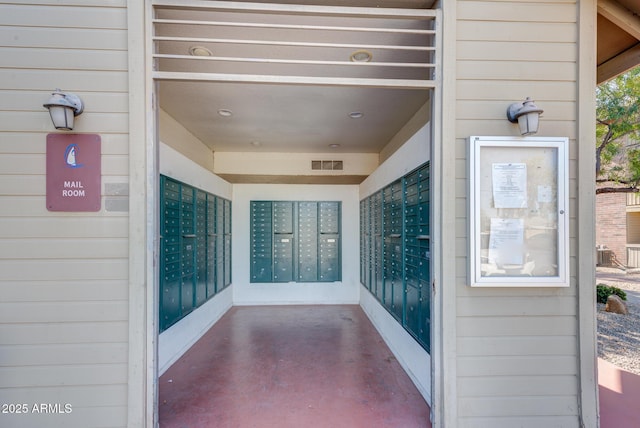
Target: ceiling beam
x: 296, y: 80
x: 618, y: 64
x: 621, y: 16
x: 302, y: 9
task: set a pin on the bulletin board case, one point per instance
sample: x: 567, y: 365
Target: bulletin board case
x: 518, y: 212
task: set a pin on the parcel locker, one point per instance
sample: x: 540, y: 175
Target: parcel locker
x: 329, y: 257
x: 282, y: 257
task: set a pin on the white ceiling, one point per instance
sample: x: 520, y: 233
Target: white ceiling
x: 308, y: 115
x: 295, y: 117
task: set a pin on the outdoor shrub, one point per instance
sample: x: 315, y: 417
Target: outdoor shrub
x: 604, y: 291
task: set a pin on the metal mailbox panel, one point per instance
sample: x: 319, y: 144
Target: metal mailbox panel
x: 189, y: 248
x: 261, y: 241
x: 308, y: 269
x: 286, y: 243
x: 186, y: 302
x: 283, y: 217
x: 399, y: 259
x: 329, y: 257
x: 227, y: 260
x: 329, y: 217
x: 364, y: 239
x: 424, y: 328
x: 368, y: 244
x: 307, y: 241
x: 412, y: 312
x: 169, y: 303
x: 397, y: 304
x: 283, y: 258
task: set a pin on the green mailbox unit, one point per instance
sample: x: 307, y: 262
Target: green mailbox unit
x: 195, y: 248
x: 394, y: 251
x: 295, y: 241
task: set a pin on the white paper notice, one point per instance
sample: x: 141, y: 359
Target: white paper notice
x: 506, y: 241
x: 509, y: 185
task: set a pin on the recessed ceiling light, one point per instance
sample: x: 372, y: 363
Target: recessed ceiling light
x: 356, y: 115
x: 225, y: 113
x: 361, y: 56
x: 199, y: 51
x: 334, y: 146
x: 256, y: 143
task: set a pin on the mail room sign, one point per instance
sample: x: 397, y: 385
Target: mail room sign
x: 73, y: 172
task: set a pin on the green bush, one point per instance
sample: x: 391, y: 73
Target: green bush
x: 604, y: 291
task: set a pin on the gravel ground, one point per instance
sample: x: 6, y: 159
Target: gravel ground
x: 619, y: 335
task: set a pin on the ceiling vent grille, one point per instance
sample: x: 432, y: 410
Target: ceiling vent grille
x: 327, y: 165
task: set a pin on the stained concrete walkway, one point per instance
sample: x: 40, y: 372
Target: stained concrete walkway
x: 290, y: 366
x: 315, y: 367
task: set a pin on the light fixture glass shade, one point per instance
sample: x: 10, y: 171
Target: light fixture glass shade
x: 62, y: 108
x: 526, y: 114
x: 62, y: 117
x: 528, y: 123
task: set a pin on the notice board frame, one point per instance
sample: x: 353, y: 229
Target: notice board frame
x: 518, y: 190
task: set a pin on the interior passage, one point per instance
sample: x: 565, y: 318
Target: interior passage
x: 290, y: 366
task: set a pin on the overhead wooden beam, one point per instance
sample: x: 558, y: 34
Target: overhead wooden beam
x: 296, y: 80
x: 618, y: 64
x: 295, y: 61
x: 619, y: 15
x: 235, y: 6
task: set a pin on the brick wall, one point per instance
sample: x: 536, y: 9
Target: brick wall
x: 611, y: 223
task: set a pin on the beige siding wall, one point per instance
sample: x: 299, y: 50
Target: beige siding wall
x: 517, y: 358
x: 63, y: 276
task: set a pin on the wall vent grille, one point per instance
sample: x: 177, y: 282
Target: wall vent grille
x: 330, y: 165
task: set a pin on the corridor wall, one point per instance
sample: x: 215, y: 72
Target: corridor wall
x: 415, y: 360
x: 178, y: 338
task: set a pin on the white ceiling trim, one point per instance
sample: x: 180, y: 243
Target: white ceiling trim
x: 296, y: 80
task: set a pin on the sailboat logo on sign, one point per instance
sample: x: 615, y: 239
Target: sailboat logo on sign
x: 71, y: 155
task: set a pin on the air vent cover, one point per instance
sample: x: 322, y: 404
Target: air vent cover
x: 331, y: 165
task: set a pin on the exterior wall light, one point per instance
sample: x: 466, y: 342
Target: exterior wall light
x: 526, y: 114
x: 63, y: 107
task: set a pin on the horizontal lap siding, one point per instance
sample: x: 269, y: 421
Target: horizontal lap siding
x: 63, y: 276
x: 517, y: 348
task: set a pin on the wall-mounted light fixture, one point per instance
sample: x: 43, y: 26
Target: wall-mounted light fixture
x: 63, y: 107
x: 526, y: 115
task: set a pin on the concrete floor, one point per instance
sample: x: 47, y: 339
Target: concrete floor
x: 290, y: 366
